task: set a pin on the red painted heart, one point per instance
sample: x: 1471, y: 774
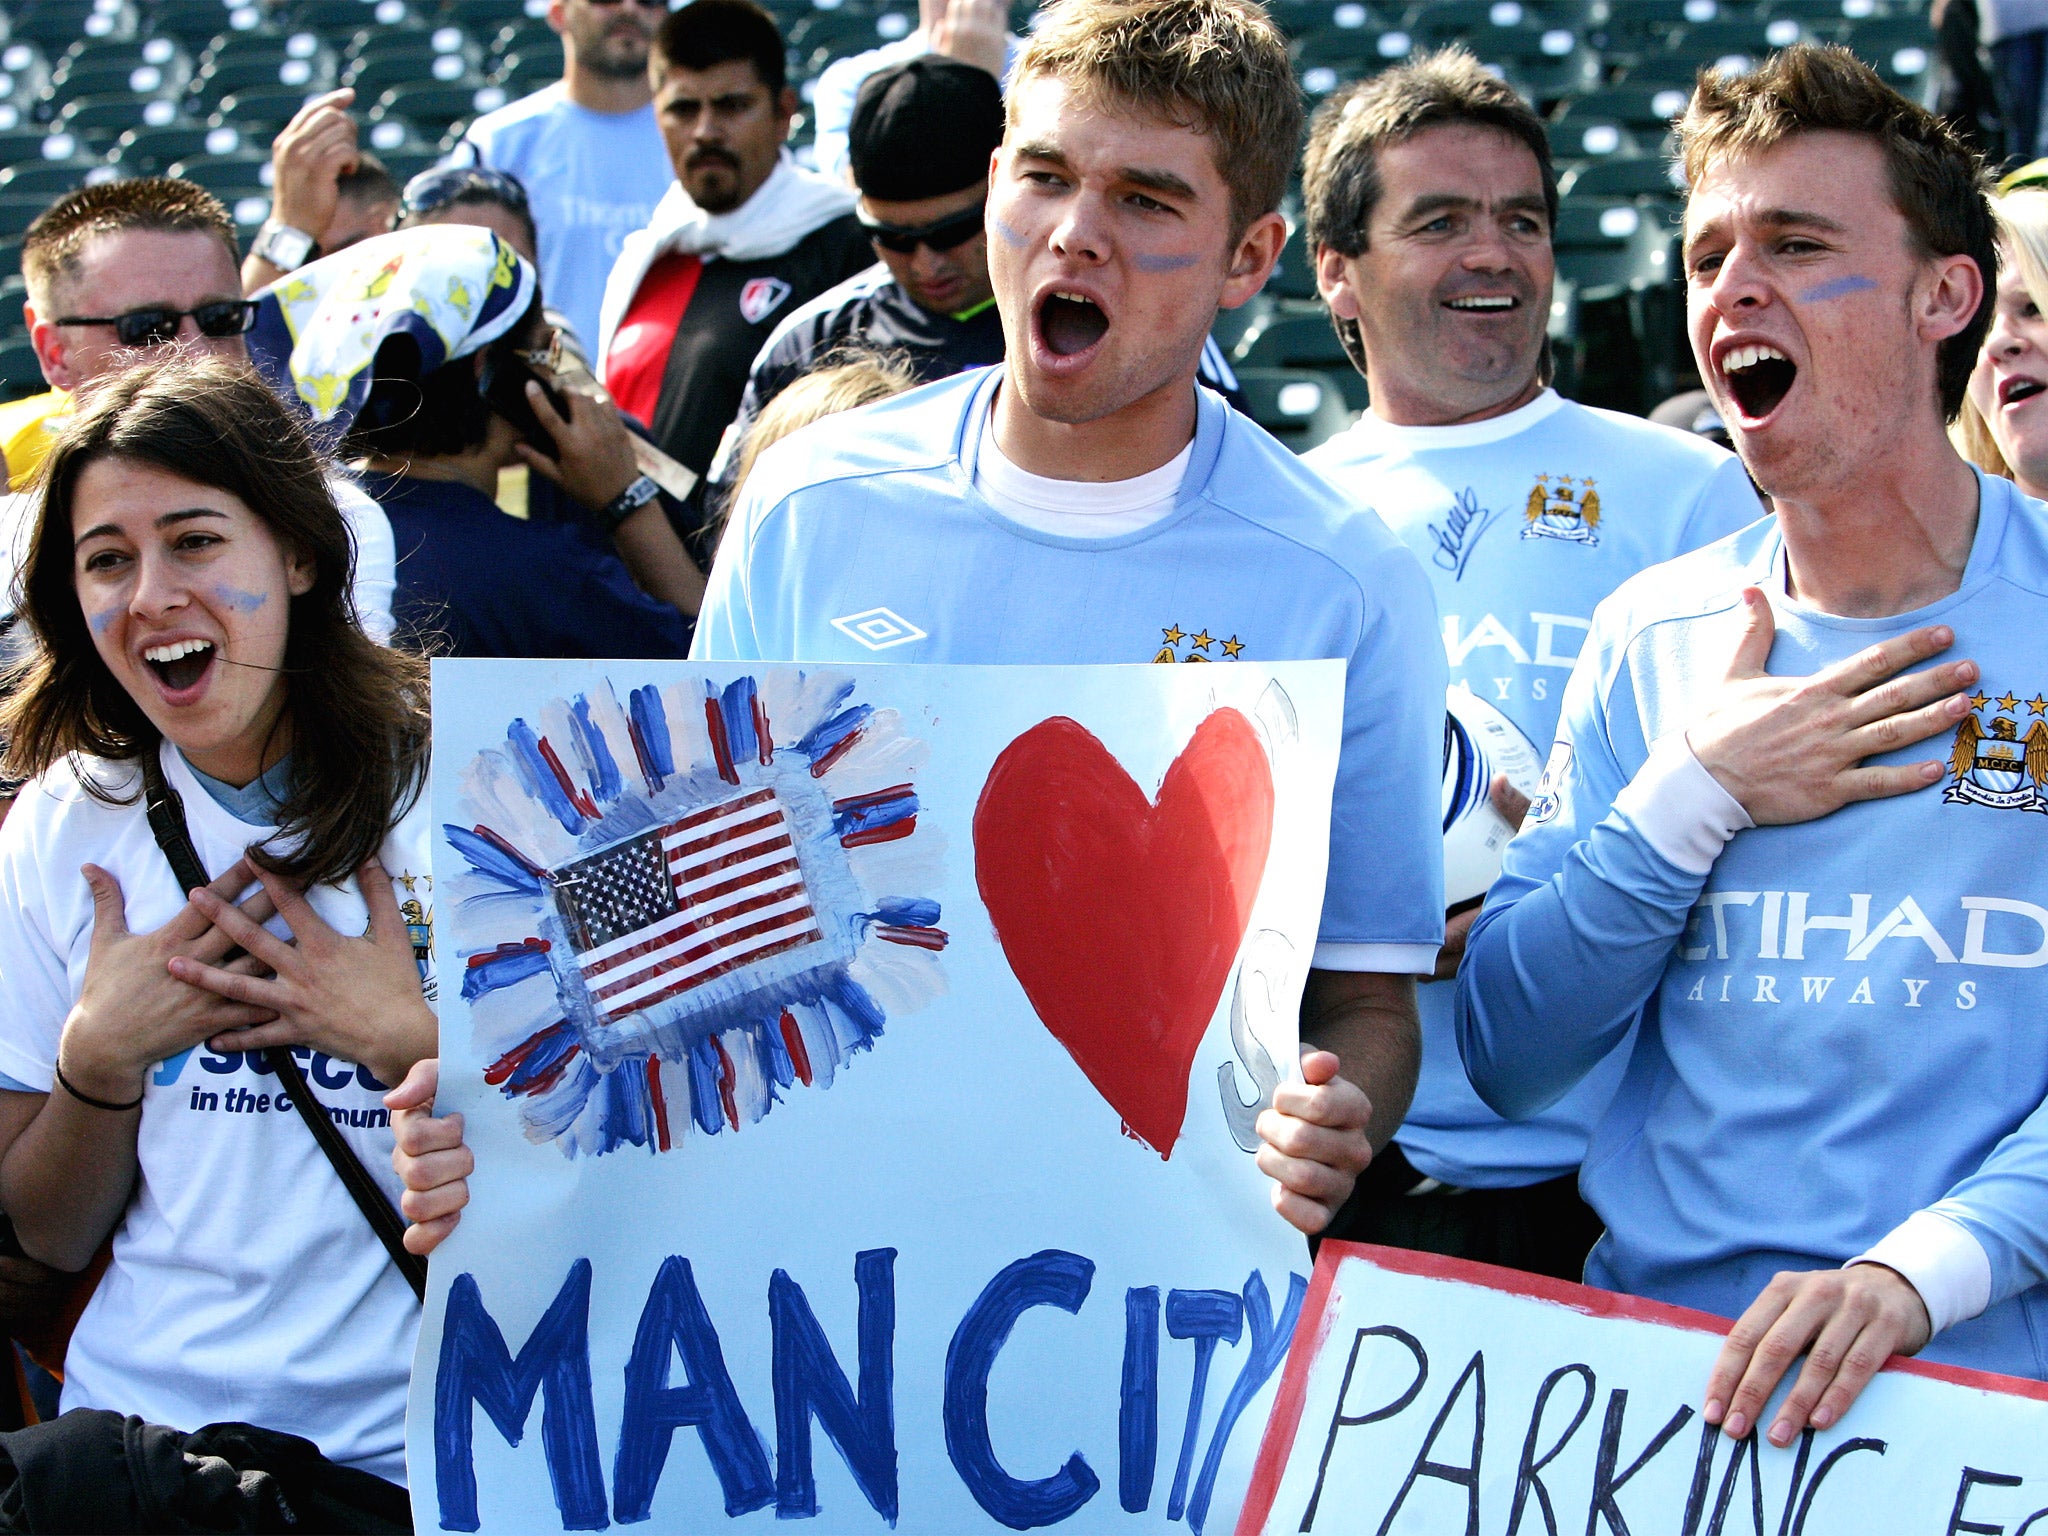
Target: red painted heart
x: 1121, y: 916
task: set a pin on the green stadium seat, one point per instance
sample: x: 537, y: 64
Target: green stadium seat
x: 527, y: 36
x: 248, y: 207
x: 1293, y: 275
x: 109, y: 116
x: 195, y: 23
x: 152, y: 150
x: 1645, y: 110
x: 1588, y: 136
x: 261, y: 111
x: 482, y: 16
x: 434, y: 103
x: 1901, y: 48
x: 333, y: 17
x: 233, y: 172
x: 521, y: 74
x: 20, y: 374
x: 1631, y: 176
x: 48, y: 179
x: 1300, y: 408
x: 1607, y: 245
x: 18, y: 144
x: 55, y: 24
x: 18, y: 210
x: 380, y: 71
x: 1300, y: 336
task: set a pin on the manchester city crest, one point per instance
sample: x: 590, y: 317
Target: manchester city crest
x: 1554, y: 511
x: 1993, y: 764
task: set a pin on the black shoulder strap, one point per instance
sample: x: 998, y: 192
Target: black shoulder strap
x: 166, y: 814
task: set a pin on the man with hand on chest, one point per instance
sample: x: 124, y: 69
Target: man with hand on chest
x: 1429, y: 197
x: 1782, y: 834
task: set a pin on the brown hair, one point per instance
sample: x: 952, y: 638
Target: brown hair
x: 1340, y: 178
x: 61, y: 231
x: 1217, y: 66
x: 1937, y: 181
x: 357, y: 712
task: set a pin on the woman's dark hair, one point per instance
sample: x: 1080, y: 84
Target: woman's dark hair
x: 440, y: 414
x: 357, y: 712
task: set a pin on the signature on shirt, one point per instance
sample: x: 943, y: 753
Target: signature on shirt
x: 1461, y: 530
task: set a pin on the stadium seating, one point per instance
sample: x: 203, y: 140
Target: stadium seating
x: 98, y: 89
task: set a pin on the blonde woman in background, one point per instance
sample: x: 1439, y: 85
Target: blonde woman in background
x: 2003, y: 426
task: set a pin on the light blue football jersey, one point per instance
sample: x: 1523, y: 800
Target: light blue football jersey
x: 1523, y: 524
x: 862, y: 538
x: 1845, y: 1021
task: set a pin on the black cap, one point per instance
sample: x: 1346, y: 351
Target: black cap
x: 924, y: 128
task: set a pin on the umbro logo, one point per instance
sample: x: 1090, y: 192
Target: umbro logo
x: 878, y: 628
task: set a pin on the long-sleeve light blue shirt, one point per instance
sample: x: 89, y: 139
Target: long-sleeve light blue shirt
x: 1842, y: 1022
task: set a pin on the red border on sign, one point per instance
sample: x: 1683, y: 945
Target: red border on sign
x: 1310, y: 1332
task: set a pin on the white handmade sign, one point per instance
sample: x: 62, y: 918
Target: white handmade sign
x: 1425, y: 1395
x: 861, y: 1065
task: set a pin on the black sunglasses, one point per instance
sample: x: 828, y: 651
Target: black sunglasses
x: 941, y: 234
x: 153, y: 327
x: 438, y: 188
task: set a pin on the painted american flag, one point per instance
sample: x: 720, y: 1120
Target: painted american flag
x: 661, y: 913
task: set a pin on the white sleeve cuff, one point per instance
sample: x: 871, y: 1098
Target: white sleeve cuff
x: 1942, y: 1261
x: 1392, y: 959
x: 1681, y: 809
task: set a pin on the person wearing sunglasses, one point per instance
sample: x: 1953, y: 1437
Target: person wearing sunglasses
x: 116, y: 273
x: 585, y: 149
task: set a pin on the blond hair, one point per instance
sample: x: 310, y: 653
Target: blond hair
x: 1937, y: 181
x: 843, y: 381
x: 1219, y: 67
x: 2022, y: 219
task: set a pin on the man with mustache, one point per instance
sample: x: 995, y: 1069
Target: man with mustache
x: 743, y: 237
x: 585, y: 149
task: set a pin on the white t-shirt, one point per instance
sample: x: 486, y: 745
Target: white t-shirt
x: 245, y: 1283
x: 1077, y: 509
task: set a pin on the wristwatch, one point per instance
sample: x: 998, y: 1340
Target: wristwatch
x: 627, y: 502
x: 285, y: 248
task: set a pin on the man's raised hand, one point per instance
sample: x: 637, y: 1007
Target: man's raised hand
x: 1793, y: 749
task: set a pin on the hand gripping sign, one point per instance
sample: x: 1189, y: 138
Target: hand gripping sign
x: 861, y: 1065
x: 1430, y: 1395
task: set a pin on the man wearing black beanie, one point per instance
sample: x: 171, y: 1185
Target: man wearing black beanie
x: 919, y: 146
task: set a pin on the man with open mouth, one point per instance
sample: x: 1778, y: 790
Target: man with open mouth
x: 1430, y: 199
x: 1781, y: 834
x: 1086, y: 502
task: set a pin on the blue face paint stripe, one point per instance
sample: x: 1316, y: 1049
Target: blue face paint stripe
x: 1163, y: 263
x: 240, y: 601
x: 1838, y: 288
x: 1005, y: 231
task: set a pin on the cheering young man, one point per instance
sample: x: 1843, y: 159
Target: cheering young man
x: 1086, y: 503
x: 1777, y: 836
